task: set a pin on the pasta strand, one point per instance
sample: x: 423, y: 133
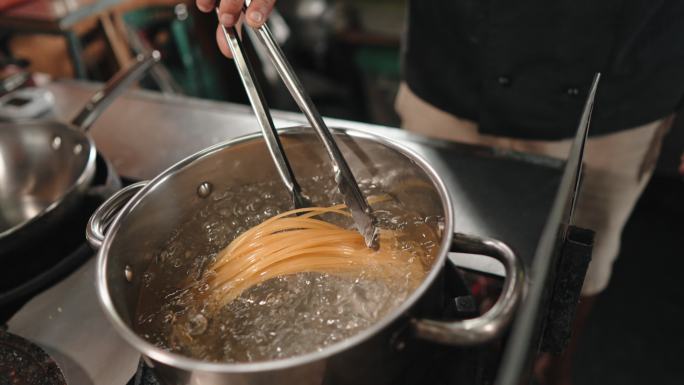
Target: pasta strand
x: 297, y: 242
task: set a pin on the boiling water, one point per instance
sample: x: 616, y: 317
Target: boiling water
x: 282, y: 317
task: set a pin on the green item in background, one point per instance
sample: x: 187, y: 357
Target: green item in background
x: 381, y: 74
x: 381, y: 61
x: 169, y: 29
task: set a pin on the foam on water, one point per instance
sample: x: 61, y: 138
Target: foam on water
x: 282, y: 317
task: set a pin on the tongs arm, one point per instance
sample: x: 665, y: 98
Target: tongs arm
x: 349, y: 188
x: 260, y: 107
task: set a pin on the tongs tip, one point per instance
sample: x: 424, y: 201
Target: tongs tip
x: 370, y: 236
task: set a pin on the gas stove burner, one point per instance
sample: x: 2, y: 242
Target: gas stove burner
x: 24, y: 363
x: 53, y: 256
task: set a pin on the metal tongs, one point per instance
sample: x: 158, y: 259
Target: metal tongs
x: 361, y: 212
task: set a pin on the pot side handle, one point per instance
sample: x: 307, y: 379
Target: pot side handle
x: 491, y: 324
x: 104, y: 216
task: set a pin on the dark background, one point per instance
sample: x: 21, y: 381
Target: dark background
x: 634, y: 334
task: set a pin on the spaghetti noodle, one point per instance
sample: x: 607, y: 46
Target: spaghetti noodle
x: 297, y: 241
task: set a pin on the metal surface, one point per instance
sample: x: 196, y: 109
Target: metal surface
x: 261, y: 110
x: 114, y: 87
x: 161, y: 75
x: 143, y: 225
x: 527, y: 330
x: 166, y: 128
x: 490, y: 325
x: 469, y: 332
x: 45, y: 167
x: 43, y: 164
x: 52, y: 256
x: 361, y: 211
x: 14, y: 81
x: 67, y: 321
x: 103, y: 217
x: 585, y: 120
x: 499, y: 194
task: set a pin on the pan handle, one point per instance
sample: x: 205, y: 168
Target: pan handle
x: 491, y: 324
x: 104, y: 216
x: 114, y: 87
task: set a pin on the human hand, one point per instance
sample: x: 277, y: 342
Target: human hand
x: 230, y: 12
x: 681, y: 165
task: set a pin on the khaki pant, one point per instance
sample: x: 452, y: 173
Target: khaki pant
x: 617, y: 167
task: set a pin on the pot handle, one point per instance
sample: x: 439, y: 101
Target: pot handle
x: 102, y: 218
x: 491, y: 324
x: 114, y: 87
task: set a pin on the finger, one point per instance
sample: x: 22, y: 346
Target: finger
x: 681, y: 166
x: 205, y: 5
x: 229, y: 12
x: 222, y: 43
x: 258, y: 12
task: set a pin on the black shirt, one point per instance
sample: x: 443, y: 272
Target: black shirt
x: 522, y: 68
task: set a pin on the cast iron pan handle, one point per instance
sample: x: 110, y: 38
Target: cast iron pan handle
x: 105, y: 214
x: 491, y: 324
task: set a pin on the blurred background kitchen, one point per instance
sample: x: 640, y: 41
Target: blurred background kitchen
x: 347, y: 53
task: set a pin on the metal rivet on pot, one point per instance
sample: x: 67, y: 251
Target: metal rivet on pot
x: 78, y: 148
x: 128, y: 273
x: 56, y: 142
x: 204, y: 189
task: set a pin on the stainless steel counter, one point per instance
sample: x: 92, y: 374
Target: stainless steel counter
x: 499, y: 194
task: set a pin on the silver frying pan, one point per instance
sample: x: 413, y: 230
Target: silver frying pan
x: 46, y: 166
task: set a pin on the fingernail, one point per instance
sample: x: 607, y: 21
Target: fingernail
x: 256, y: 16
x: 204, y: 6
x: 227, y: 19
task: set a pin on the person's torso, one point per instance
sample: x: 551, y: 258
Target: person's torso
x: 523, y: 68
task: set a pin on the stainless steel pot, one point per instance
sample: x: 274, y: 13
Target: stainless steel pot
x: 141, y: 218
x: 46, y: 166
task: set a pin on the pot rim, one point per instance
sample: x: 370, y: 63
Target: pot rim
x: 190, y: 364
x: 86, y: 175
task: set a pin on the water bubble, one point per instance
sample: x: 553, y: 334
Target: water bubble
x: 197, y: 325
x: 282, y: 317
x: 147, y: 278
